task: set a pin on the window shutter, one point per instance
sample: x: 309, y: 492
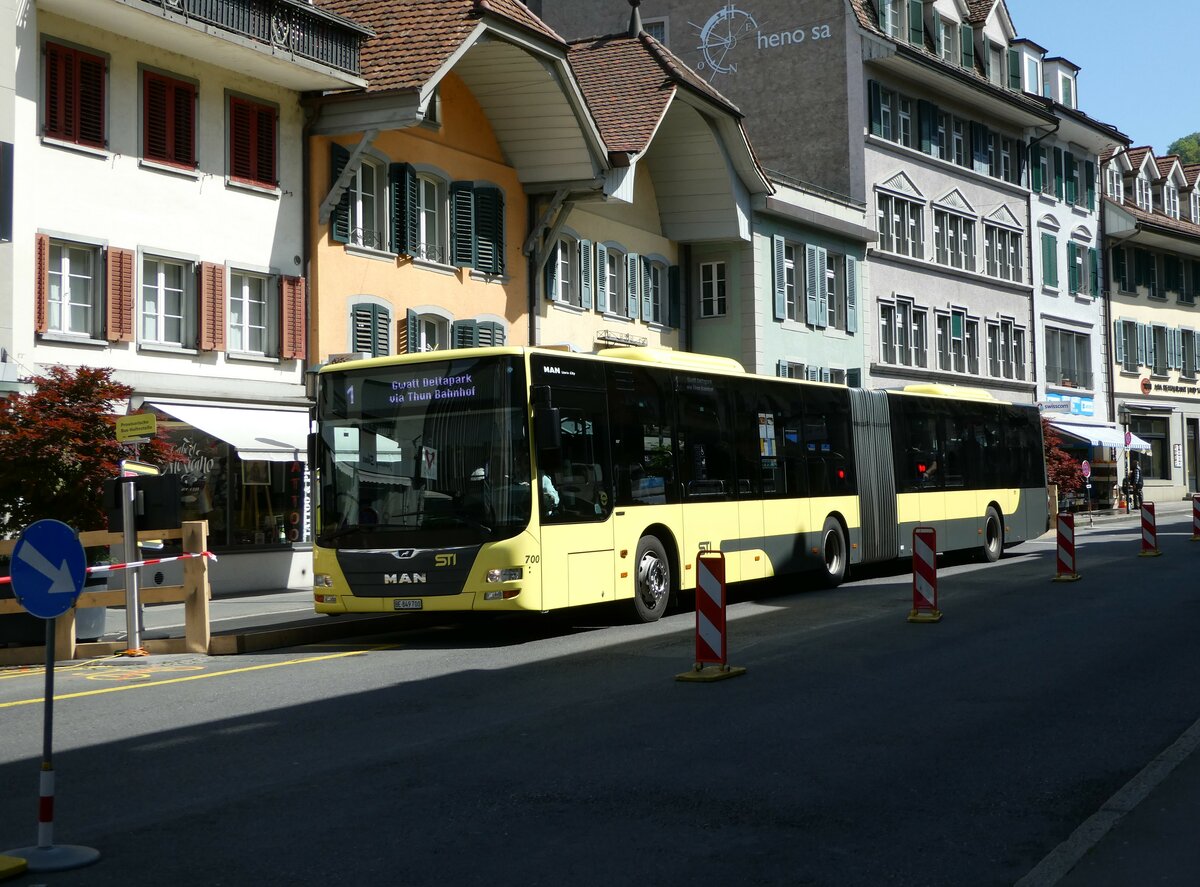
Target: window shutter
x: 184, y: 111
x: 854, y: 378
x: 916, y: 22
x: 781, y: 369
x: 489, y: 230
x: 1120, y: 271
x: 966, y: 36
x: 825, y: 374
x: 811, y: 280
x: 601, y: 278
x: 56, y: 122
x: 91, y: 100
x: 927, y: 123
x: 382, y: 320
x: 851, y: 294
x: 674, y: 286
x: 647, y: 291
x: 1119, y: 340
x: 403, y: 197
x: 812, y: 373
x: 464, y: 333
x: 1035, y: 166
x: 1141, y: 344
x: 491, y: 334
x: 292, y: 317
x: 1094, y: 266
x: 778, y: 247
x: 339, y: 220
x: 154, y: 117
x: 631, y: 285
x: 41, y: 283
x: 1059, y: 169
x: 585, y: 274
x: 412, y: 336
x: 822, y: 289
x: 241, y: 164
x: 462, y: 224
x: 119, y: 292
x: 264, y: 132
x: 1089, y: 181
x: 1049, y: 260
x: 362, y: 338
x: 1014, y: 70
x: 875, y: 103
x: 1072, y: 195
x: 1072, y: 267
x: 212, y: 307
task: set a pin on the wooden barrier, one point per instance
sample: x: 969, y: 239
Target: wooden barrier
x: 194, y: 594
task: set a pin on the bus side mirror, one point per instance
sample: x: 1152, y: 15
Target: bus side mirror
x: 547, y: 428
x: 312, y: 451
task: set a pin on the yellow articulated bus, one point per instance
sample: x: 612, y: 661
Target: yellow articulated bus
x: 505, y: 479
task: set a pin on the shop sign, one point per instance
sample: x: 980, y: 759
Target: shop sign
x: 1177, y: 455
x: 1078, y: 405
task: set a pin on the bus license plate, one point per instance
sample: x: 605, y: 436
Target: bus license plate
x: 407, y: 604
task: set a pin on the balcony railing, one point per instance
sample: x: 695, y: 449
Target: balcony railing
x: 289, y: 25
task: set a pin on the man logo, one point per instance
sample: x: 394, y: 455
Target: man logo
x: 404, y: 579
x: 404, y: 553
x: 445, y: 560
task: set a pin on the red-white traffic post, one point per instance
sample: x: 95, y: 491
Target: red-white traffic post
x: 1149, y: 532
x: 712, y: 662
x: 925, y: 603
x: 1196, y: 518
x: 1066, y: 549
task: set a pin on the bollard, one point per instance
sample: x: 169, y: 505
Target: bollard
x: 925, y: 603
x: 1149, y: 532
x: 711, y: 660
x: 1066, y: 549
x: 1196, y: 518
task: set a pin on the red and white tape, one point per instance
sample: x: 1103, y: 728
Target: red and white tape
x: 112, y: 568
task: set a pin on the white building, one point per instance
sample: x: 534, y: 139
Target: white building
x: 158, y: 229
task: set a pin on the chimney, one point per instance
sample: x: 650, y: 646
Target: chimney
x: 635, y: 18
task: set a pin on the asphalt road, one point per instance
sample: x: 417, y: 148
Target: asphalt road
x: 859, y: 749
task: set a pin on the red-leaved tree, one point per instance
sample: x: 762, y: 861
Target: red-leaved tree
x: 1061, y: 467
x: 58, y: 445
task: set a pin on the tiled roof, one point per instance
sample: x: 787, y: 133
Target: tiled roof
x: 1191, y: 172
x: 978, y: 10
x: 1165, y: 163
x: 1137, y: 156
x: 414, y: 37
x: 628, y: 83
x: 1159, y: 220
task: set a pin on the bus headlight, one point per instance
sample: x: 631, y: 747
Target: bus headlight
x: 322, y: 580
x: 512, y: 574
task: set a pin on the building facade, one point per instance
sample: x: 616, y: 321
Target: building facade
x: 1152, y: 239
x: 156, y: 229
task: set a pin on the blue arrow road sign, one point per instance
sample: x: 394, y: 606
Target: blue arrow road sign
x: 48, y: 568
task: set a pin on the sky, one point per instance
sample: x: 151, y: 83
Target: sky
x: 1135, y: 60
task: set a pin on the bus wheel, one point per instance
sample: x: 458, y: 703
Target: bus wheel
x: 652, y: 582
x: 993, y: 536
x: 833, y: 553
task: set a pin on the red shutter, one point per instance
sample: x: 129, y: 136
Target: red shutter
x: 212, y: 307
x: 41, y: 283
x: 120, y: 294
x: 292, y: 318
x: 74, y: 96
x: 184, y: 150
x: 265, y: 119
x: 241, y: 164
x: 56, y: 117
x: 155, y: 140
x: 91, y: 100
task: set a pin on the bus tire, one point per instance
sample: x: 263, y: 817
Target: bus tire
x: 651, y: 580
x: 993, y: 536
x: 834, y: 554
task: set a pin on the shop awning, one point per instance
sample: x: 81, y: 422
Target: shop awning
x: 1101, y: 435
x: 258, y: 434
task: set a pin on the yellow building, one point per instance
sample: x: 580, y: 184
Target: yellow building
x: 421, y: 183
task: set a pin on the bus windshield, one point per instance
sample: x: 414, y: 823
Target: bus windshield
x: 432, y: 453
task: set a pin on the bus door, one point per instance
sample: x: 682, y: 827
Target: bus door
x: 575, y: 492
x: 705, y: 452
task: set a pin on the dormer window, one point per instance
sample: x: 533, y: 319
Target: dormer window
x: 1194, y: 207
x: 948, y: 40
x: 890, y: 18
x: 995, y: 64
x: 1171, y: 201
x: 1033, y: 75
x: 1143, y: 194
x: 1068, y: 91
x: 1114, y: 185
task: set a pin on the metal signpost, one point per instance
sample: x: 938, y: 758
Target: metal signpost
x: 133, y: 607
x: 1086, y: 470
x: 48, y: 568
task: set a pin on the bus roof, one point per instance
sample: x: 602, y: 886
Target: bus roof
x: 955, y: 392
x: 663, y: 357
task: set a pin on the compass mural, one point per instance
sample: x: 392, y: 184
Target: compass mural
x: 719, y: 37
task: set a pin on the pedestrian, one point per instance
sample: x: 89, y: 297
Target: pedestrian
x: 1136, y: 481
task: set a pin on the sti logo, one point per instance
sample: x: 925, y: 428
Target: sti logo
x: 725, y: 28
